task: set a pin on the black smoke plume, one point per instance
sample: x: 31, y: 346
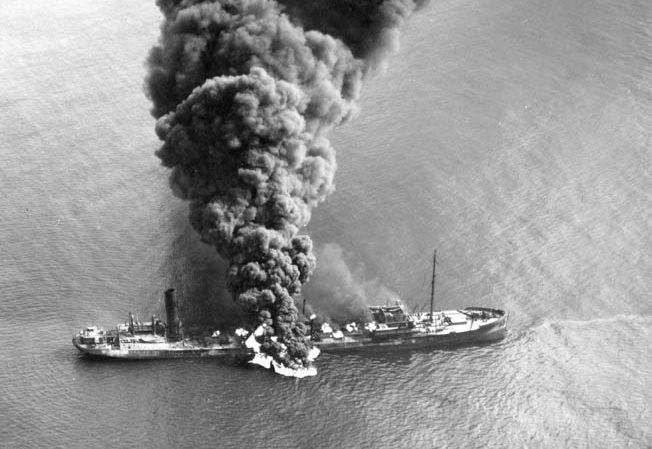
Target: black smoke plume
x: 245, y: 92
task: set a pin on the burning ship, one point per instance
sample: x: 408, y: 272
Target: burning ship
x: 391, y: 327
x: 154, y: 340
x: 394, y: 327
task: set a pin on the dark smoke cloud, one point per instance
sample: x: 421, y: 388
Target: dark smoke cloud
x: 245, y: 95
x: 342, y: 292
x: 370, y: 28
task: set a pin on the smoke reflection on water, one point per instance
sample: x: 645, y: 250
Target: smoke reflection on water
x: 199, y: 276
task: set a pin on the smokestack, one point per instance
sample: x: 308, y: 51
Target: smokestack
x: 171, y: 308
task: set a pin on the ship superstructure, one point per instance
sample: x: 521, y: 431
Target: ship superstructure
x: 394, y: 327
x: 156, y: 339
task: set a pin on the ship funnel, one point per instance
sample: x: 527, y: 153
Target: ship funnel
x: 171, y: 309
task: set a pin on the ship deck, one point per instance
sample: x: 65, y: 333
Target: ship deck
x: 461, y: 329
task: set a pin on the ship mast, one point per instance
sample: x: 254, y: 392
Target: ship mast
x: 432, y: 287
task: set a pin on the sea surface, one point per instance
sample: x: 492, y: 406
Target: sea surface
x: 512, y: 135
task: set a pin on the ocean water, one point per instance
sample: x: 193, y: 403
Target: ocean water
x: 514, y: 136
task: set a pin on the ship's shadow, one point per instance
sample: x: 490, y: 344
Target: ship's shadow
x: 88, y: 363
x: 198, y: 274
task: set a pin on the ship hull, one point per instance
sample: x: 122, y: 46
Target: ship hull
x: 454, y: 335
x: 488, y: 333
x: 163, y: 351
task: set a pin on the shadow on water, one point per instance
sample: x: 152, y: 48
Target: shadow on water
x: 198, y: 275
x: 402, y: 350
x: 398, y: 356
x: 84, y: 363
x: 386, y: 358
